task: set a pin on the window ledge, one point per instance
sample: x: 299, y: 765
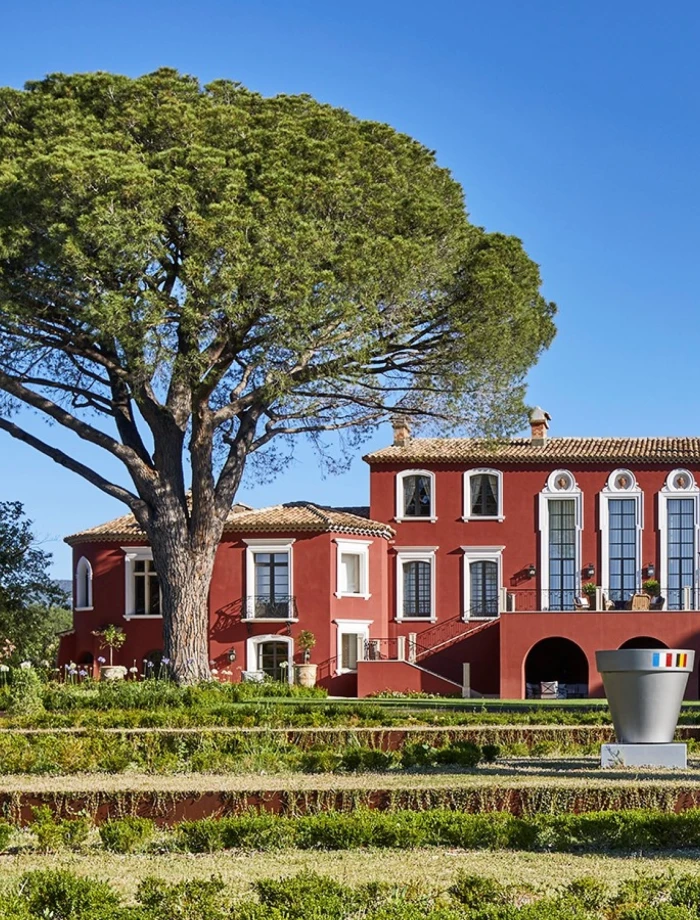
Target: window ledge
x: 416, y: 619
x: 270, y: 619
x: 480, y: 619
x: 143, y: 616
x: 415, y: 520
x: 364, y: 597
x: 483, y: 517
x: 82, y: 609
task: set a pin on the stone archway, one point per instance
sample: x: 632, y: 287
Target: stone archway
x: 556, y: 668
x: 643, y: 642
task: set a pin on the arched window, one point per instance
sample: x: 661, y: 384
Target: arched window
x: 83, y: 585
x: 560, y: 521
x: 483, y: 495
x: 621, y: 522
x: 271, y: 655
x: 415, y: 496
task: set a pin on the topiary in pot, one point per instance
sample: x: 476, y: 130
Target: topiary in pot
x: 306, y: 672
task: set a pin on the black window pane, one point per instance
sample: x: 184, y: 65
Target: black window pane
x: 483, y: 589
x: 416, y: 496
x: 622, y: 548
x: 416, y: 589
x: 681, y: 551
x: 562, y: 554
x: 484, y: 495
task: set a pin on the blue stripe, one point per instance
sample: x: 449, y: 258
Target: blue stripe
x: 655, y: 660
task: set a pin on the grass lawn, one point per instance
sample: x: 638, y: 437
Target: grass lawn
x: 516, y: 773
x: 434, y: 867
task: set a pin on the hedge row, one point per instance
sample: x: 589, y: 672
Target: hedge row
x: 63, y: 895
x: 629, y: 831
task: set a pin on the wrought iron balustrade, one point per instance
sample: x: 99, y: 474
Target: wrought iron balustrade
x: 279, y: 607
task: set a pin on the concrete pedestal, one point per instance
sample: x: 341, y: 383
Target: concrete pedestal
x: 644, y: 755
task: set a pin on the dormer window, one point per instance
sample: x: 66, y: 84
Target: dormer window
x: 483, y: 495
x: 415, y: 496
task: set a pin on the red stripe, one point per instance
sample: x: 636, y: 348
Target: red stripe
x: 669, y: 660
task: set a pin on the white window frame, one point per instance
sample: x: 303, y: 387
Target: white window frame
x: 267, y: 545
x: 400, y: 516
x: 353, y: 548
x: 467, y: 504
x: 612, y: 491
x: 480, y: 554
x: 134, y: 554
x: 251, y: 652
x: 551, y: 492
x: 671, y: 491
x: 82, y: 569
x: 345, y: 627
x: 415, y: 554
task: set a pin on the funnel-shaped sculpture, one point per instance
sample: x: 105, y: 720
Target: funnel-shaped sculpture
x: 645, y: 690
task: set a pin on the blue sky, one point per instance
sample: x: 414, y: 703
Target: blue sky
x: 572, y: 125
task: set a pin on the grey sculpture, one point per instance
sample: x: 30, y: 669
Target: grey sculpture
x: 645, y: 690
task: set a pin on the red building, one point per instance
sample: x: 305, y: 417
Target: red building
x: 519, y: 559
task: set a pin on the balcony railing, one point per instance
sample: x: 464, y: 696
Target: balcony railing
x: 279, y: 607
x: 573, y: 600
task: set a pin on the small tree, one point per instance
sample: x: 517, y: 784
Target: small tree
x: 111, y: 637
x: 306, y: 641
x: 189, y: 275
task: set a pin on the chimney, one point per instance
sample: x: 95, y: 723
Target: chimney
x: 539, y: 423
x: 402, y: 430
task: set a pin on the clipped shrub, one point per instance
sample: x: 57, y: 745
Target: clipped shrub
x: 58, y: 894
x: 463, y: 753
x: 203, y: 836
x: 127, y: 835
x: 195, y: 899
x: 477, y: 890
x: 590, y: 891
x: 491, y: 752
x: 293, y: 896
x: 53, y: 833
x: 356, y: 759
x: 26, y: 693
x: 320, y: 759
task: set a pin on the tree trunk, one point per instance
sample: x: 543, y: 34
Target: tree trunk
x: 185, y: 576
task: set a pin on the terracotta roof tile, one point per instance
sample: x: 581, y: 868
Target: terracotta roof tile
x: 554, y: 450
x: 301, y: 516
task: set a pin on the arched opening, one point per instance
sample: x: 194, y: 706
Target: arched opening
x: 556, y: 668
x: 83, y: 585
x: 85, y: 658
x: 643, y: 642
x: 271, y: 656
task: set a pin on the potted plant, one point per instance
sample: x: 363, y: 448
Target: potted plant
x: 111, y: 637
x: 590, y: 590
x: 651, y: 587
x: 306, y: 672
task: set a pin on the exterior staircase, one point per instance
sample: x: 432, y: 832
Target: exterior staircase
x: 442, y: 635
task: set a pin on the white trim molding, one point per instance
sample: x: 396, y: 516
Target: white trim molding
x: 345, y: 627
x: 83, y: 585
x: 467, y: 503
x: 560, y: 486
x: 400, y: 509
x: 267, y: 545
x: 679, y: 483
x: 251, y: 652
x: 359, y: 548
x: 480, y: 554
x: 415, y: 554
x: 134, y: 554
x: 621, y: 484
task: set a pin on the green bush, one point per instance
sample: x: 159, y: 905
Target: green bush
x: 6, y: 832
x: 58, y: 894
x: 26, y: 692
x: 477, y: 890
x: 491, y: 752
x: 293, y: 896
x: 53, y: 833
x: 127, y: 835
x: 196, y: 899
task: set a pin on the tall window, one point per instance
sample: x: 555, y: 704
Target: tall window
x: 350, y: 573
x: 622, y: 548
x: 562, y: 554
x: 681, y: 550
x: 484, y: 495
x: 352, y: 568
x: 417, y: 594
x: 483, y: 589
x: 271, y: 584
x: 83, y: 584
x: 146, y: 588
x: 417, y: 499
x: 273, y: 659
